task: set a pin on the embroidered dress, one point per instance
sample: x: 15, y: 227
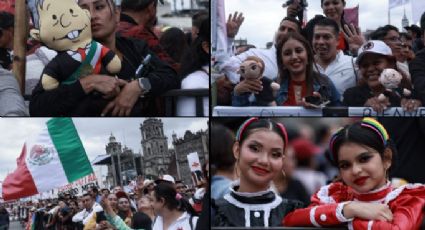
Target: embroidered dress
x: 265, y: 208
x: 406, y: 203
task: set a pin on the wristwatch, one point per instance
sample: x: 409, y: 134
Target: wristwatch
x: 144, y: 84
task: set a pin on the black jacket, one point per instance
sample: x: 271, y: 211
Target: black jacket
x: 417, y: 71
x: 358, y: 95
x: 408, y: 134
x: 70, y: 100
x: 230, y: 211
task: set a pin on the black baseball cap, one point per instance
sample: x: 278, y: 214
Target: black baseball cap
x: 414, y: 28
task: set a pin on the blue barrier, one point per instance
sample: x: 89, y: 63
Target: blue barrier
x: 298, y: 111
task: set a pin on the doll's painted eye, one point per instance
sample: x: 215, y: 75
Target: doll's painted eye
x: 71, y: 11
x: 54, y: 17
x: 242, y: 71
x: 254, y: 67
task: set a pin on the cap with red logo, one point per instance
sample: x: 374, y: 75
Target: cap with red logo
x: 375, y: 47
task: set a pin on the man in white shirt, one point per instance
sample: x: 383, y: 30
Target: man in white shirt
x: 331, y: 61
x: 90, y: 207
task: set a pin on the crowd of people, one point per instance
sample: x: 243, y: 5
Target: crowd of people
x: 353, y: 172
x: 161, y: 204
x: 328, y: 62
x: 129, y: 30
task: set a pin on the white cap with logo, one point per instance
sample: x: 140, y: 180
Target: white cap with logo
x: 374, y: 46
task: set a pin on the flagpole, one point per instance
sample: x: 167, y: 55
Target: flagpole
x: 389, y: 15
x: 19, y: 43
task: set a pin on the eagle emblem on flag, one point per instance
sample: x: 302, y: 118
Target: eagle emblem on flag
x: 40, y: 155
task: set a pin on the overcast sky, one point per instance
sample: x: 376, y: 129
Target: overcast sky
x: 262, y: 17
x: 94, y: 133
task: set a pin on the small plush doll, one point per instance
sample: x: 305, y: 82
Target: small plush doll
x: 253, y: 68
x: 391, y: 79
x: 66, y: 28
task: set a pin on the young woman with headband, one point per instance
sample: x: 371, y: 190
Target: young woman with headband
x: 259, y: 150
x: 364, y: 199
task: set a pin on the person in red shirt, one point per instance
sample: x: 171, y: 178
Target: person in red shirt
x: 297, y: 79
x: 363, y: 198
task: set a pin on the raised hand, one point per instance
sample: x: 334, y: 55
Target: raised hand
x: 233, y: 24
x: 354, y: 37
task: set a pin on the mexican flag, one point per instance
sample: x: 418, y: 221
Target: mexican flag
x: 53, y: 158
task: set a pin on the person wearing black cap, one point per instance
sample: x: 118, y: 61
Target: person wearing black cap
x: 138, y: 18
x: 6, y: 39
x: 416, y: 34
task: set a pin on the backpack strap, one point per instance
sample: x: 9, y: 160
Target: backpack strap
x: 191, y: 222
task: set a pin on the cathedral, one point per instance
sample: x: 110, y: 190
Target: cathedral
x: 157, y: 158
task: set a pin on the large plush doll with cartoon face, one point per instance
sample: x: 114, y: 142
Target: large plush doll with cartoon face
x: 65, y: 27
x: 252, y: 68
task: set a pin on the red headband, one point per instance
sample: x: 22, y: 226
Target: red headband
x: 251, y: 120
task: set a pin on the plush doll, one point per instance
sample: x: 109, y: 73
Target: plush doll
x: 66, y: 28
x: 253, y: 68
x: 391, y: 80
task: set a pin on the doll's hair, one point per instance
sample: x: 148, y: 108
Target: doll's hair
x: 367, y: 132
x: 258, y: 60
x: 254, y: 124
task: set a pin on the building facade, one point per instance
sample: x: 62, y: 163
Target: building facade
x: 124, y: 164
x: 189, y: 143
x: 156, y: 157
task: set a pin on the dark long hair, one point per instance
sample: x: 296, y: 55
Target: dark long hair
x: 167, y: 192
x: 362, y: 135
x: 173, y: 40
x: 252, y: 124
x: 284, y: 72
x: 196, y: 57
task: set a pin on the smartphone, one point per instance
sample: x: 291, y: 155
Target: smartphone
x: 100, y: 216
x: 313, y: 100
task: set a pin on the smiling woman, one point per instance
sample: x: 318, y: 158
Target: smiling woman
x: 259, y: 150
x: 364, y: 198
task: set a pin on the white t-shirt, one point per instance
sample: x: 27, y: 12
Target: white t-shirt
x: 182, y: 223
x: 341, y: 72
x: 186, y: 106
